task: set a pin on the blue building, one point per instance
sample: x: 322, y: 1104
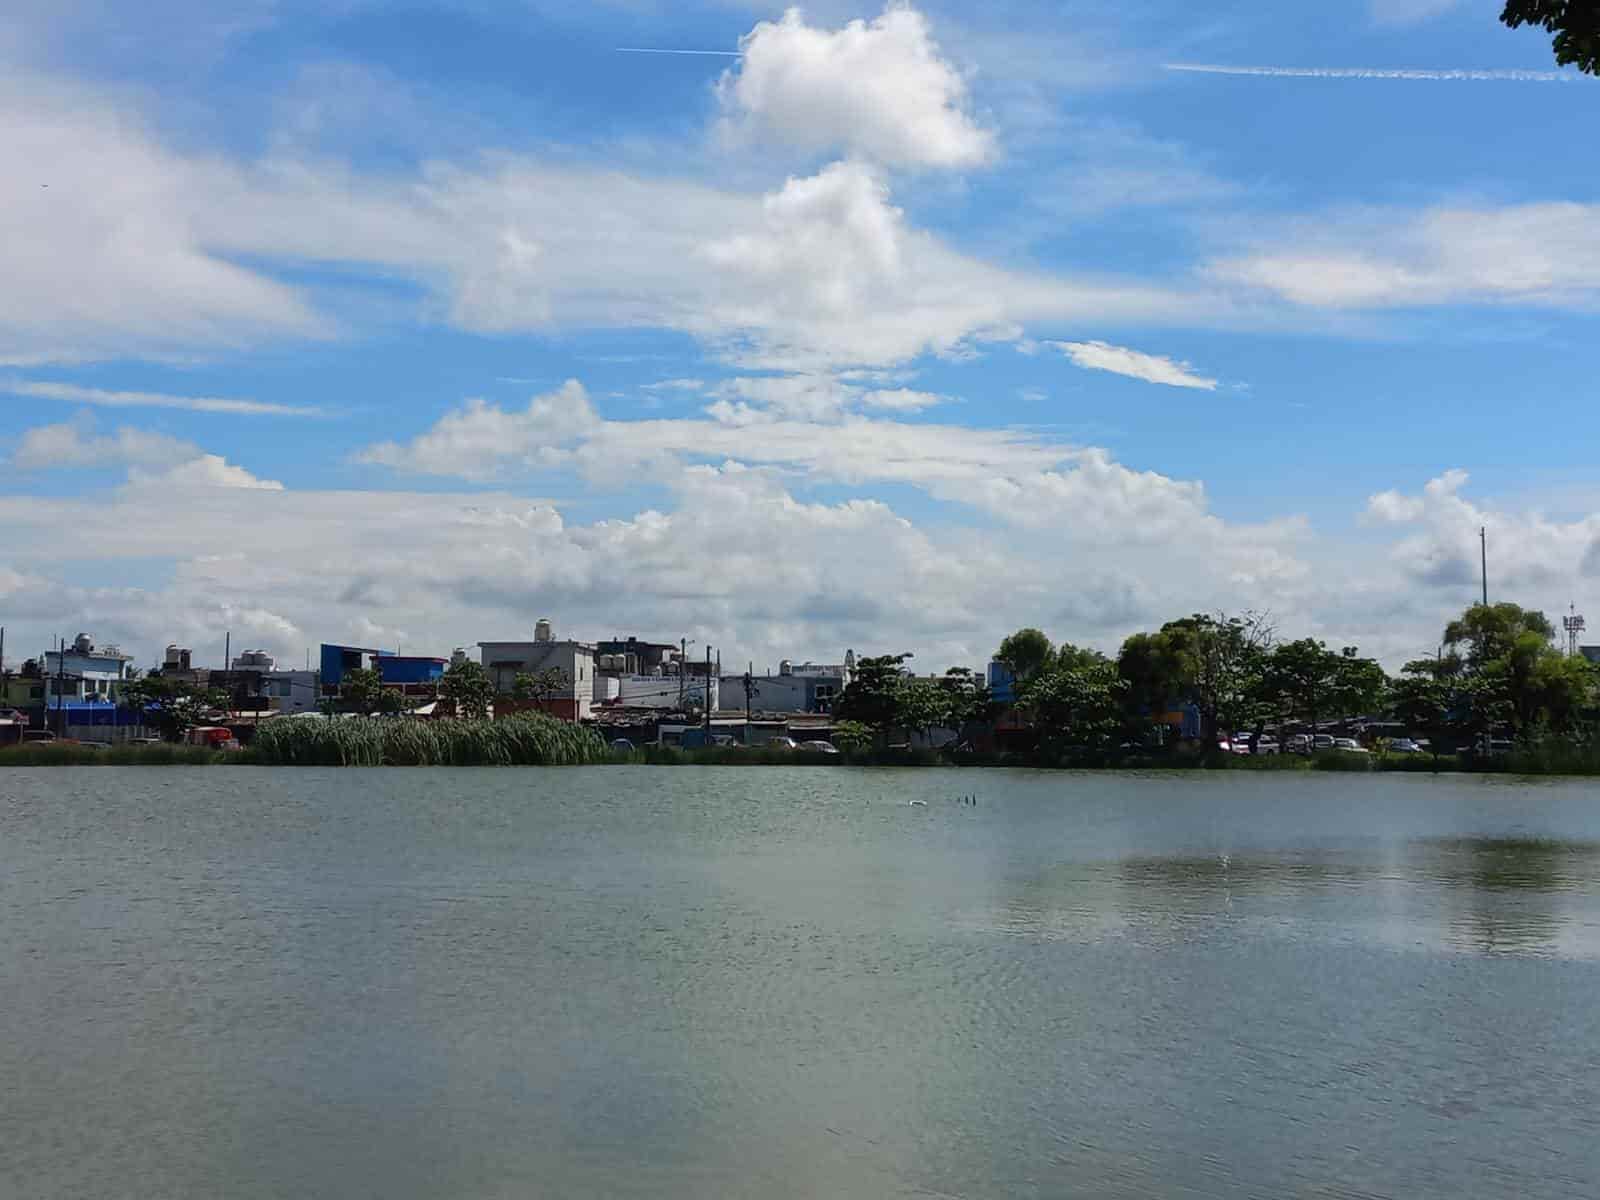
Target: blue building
x: 1002, y: 684
x: 339, y: 661
x: 406, y: 671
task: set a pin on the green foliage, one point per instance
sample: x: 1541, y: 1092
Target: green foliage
x: 1078, y: 705
x: 533, y: 686
x: 966, y: 698
x: 1503, y: 671
x: 171, y: 706
x: 1306, y: 680
x: 467, y: 689
x: 873, y: 696
x: 362, y: 691
x: 1025, y: 653
x: 525, y: 739
x: 852, y: 735
x: 1575, y: 23
x: 921, y: 705
x: 1214, y: 662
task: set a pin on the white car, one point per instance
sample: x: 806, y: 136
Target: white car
x: 1349, y: 746
x: 820, y: 747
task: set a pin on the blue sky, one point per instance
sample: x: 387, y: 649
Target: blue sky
x: 414, y: 323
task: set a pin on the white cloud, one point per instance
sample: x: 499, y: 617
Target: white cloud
x: 74, y: 444
x: 102, y: 398
x: 152, y: 459
x: 879, y: 88
x: 204, y: 471
x: 1539, y: 254
x: 97, y: 247
x: 822, y: 272
x: 1535, y: 559
x: 1119, y: 360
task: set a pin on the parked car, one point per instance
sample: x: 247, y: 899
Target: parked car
x: 1349, y: 746
x: 819, y: 747
x: 1299, y: 743
x: 1404, y: 746
x: 622, y: 745
x: 38, y: 735
x: 782, y: 743
x: 1493, y: 747
x: 1265, y: 745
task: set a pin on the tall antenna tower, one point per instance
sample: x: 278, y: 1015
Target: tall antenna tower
x: 1574, y: 625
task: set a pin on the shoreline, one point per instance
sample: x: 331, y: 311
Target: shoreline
x: 1528, y: 764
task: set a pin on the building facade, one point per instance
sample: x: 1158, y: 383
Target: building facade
x: 574, y: 700
x: 83, y: 673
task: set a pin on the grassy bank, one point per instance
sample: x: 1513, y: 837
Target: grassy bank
x: 51, y: 754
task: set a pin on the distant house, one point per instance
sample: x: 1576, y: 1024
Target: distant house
x: 84, y: 673
x: 504, y: 661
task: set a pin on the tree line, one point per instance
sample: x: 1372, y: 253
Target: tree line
x: 1496, y: 673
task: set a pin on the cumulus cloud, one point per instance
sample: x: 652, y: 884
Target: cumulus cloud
x: 151, y: 458
x: 1119, y: 360
x: 1531, y: 555
x: 823, y: 271
x: 880, y: 89
x: 1538, y: 254
x: 205, y: 471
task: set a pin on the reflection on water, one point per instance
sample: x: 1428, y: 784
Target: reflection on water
x: 1513, y: 893
x: 1490, y: 895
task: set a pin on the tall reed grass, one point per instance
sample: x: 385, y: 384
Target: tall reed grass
x: 526, y: 739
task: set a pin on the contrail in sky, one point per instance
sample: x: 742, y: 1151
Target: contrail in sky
x: 1452, y: 75
x: 655, y: 50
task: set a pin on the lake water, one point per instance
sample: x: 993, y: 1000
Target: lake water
x: 765, y: 982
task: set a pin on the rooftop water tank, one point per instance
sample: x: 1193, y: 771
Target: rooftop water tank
x: 542, y: 631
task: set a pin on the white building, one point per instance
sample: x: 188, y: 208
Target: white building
x: 84, y: 673
x: 796, y: 688
x: 504, y: 661
x: 290, y: 691
x: 663, y: 690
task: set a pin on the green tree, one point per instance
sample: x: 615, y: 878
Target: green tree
x: 362, y: 691
x: 171, y: 706
x: 921, y: 705
x: 1149, y: 667
x: 1220, y: 660
x: 852, y: 735
x: 1025, y: 653
x: 873, y: 696
x: 1078, y: 706
x: 1575, y: 23
x: 967, y: 699
x: 467, y: 689
x: 539, y: 685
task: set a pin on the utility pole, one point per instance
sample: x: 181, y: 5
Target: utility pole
x: 749, y: 690
x: 1483, y: 550
x: 683, y: 662
x: 708, y: 695
x: 61, y: 676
